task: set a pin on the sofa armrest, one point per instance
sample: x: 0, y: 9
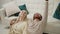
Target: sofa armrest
x: 2, y: 13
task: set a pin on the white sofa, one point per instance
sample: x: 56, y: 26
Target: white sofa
x: 8, y: 10
x: 4, y: 19
x: 32, y: 8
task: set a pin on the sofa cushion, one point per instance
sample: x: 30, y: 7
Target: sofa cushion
x: 11, y: 8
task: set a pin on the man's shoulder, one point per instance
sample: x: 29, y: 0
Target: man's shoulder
x: 29, y: 19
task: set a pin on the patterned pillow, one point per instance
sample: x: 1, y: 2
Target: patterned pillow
x: 11, y: 8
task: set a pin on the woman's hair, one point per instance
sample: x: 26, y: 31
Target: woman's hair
x: 37, y: 16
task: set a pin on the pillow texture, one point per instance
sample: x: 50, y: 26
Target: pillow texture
x: 23, y: 7
x: 11, y: 8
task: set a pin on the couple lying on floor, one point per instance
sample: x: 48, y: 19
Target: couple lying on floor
x: 23, y: 25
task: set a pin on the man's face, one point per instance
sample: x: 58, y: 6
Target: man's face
x: 37, y: 16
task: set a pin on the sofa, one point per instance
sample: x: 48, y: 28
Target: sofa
x: 13, y: 6
x: 33, y: 7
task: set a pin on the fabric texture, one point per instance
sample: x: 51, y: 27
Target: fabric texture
x: 34, y: 27
x: 23, y: 7
x: 19, y: 28
x: 57, y: 12
x: 11, y: 8
x: 27, y: 27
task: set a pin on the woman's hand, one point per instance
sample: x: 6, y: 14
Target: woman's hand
x: 12, y: 21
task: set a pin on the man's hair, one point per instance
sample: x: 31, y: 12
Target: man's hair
x: 37, y: 16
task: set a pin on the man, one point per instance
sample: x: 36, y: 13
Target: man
x: 35, y: 26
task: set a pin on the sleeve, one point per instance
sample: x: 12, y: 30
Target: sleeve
x: 25, y: 29
x: 11, y: 31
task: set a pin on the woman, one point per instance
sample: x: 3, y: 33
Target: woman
x: 20, y: 26
x: 35, y: 27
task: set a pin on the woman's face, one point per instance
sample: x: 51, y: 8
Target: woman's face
x: 23, y: 14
